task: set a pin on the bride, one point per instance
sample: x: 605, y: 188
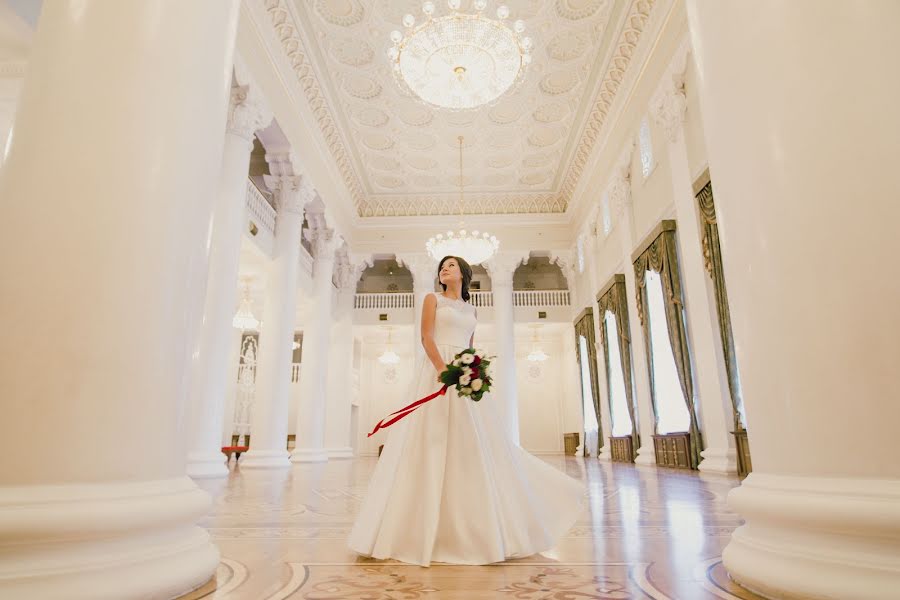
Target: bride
x: 451, y: 486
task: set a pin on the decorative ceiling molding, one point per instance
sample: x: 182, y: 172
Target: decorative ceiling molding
x: 635, y: 23
x: 287, y: 32
x: 370, y: 129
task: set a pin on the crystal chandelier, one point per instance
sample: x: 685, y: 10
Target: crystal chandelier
x: 474, y: 247
x: 537, y: 354
x: 461, y: 60
x: 389, y: 357
x: 243, y: 318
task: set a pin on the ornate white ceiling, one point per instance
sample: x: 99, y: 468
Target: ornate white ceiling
x: 399, y: 157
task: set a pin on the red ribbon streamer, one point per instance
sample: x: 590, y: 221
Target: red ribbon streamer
x: 406, y: 410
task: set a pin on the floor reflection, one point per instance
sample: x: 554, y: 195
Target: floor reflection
x: 645, y: 532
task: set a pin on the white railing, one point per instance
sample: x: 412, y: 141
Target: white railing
x: 541, y: 298
x: 258, y: 209
x: 295, y: 372
x: 482, y: 299
x: 386, y: 300
x: 526, y: 298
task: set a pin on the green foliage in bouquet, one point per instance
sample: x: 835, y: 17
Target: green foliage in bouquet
x: 469, y: 373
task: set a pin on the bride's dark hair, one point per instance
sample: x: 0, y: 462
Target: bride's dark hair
x: 465, y: 269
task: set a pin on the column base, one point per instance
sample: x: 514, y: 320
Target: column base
x: 207, y: 466
x: 646, y: 455
x: 345, y: 452
x: 720, y: 461
x: 264, y: 459
x: 309, y: 455
x: 605, y: 454
x: 105, y: 541
x: 816, y: 537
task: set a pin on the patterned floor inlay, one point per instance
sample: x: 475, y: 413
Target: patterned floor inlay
x: 645, y: 533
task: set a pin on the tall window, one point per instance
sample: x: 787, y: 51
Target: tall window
x: 621, y: 420
x: 607, y: 215
x: 591, y: 426
x: 671, y: 409
x: 646, y: 144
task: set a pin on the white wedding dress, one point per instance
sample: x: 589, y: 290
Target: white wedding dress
x: 451, y: 486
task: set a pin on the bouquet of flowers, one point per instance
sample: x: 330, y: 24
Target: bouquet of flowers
x: 470, y: 373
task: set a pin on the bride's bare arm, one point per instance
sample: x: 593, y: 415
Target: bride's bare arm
x: 431, y: 350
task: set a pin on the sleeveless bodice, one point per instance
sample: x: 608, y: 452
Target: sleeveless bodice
x: 454, y: 322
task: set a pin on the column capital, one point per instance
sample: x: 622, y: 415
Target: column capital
x: 502, y: 266
x: 247, y: 112
x: 566, y: 260
x: 324, y: 242
x: 422, y: 266
x: 668, y: 106
x: 292, y: 192
x: 348, y: 271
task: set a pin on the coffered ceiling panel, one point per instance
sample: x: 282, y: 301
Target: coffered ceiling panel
x: 401, y: 157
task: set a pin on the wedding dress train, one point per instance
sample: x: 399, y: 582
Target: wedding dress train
x: 451, y: 486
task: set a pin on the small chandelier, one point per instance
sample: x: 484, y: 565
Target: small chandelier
x: 461, y: 60
x: 537, y: 354
x: 474, y: 247
x: 389, y: 357
x: 243, y: 318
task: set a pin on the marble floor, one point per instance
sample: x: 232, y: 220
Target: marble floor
x: 645, y: 533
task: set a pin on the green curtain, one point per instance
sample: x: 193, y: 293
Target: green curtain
x: 712, y: 255
x: 615, y: 301
x: 661, y: 257
x: 584, y: 325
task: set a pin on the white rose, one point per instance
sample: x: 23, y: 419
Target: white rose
x: 467, y: 370
x: 456, y: 363
x: 476, y: 384
x: 466, y: 391
x: 467, y: 359
x: 465, y: 380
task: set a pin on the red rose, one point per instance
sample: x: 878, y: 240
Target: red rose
x: 477, y: 361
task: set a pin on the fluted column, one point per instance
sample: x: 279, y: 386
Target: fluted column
x: 804, y: 167
x: 505, y: 387
x: 310, y: 446
x: 247, y: 114
x: 118, y: 142
x: 668, y: 108
x: 619, y: 194
x: 339, y: 389
x: 424, y: 272
x: 269, y: 415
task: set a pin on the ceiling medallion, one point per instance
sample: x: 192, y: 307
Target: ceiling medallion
x: 461, y: 60
x: 473, y: 246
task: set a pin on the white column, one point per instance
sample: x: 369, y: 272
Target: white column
x: 269, y: 415
x: 96, y: 272
x: 501, y: 267
x: 619, y: 193
x: 247, y: 113
x: 713, y: 397
x: 806, y: 181
x: 339, y: 391
x: 310, y: 446
x: 424, y: 272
